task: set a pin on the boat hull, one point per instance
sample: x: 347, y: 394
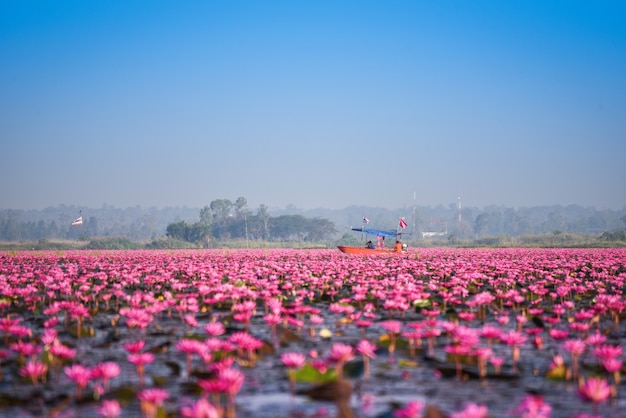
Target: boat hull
x: 366, y: 251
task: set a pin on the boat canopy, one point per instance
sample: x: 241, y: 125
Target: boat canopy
x: 377, y: 232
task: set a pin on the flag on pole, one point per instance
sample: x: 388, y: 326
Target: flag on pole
x: 365, y: 220
x: 402, y: 223
x: 77, y: 221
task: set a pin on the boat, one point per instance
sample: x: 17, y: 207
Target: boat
x: 379, y: 247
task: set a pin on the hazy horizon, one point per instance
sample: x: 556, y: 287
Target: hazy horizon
x: 312, y: 104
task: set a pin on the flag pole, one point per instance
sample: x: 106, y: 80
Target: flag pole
x: 82, y: 224
x: 363, y: 229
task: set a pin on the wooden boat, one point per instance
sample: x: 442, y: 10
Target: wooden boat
x: 379, y: 248
x: 368, y: 251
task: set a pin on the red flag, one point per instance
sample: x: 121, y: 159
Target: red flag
x: 402, y: 223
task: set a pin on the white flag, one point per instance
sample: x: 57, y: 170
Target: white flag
x: 78, y: 221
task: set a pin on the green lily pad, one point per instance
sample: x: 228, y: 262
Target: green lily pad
x: 309, y: 374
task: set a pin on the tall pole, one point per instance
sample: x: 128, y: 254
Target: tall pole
x: 363, y: 229
x: 245, y: 218
x: 414, y: 215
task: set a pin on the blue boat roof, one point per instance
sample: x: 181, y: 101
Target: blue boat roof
x: 377, y: 232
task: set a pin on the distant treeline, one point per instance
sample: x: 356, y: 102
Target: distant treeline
x: 224, y: 220
x: 229, y: 220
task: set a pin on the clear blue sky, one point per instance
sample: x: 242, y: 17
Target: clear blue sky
x: 312, y: 103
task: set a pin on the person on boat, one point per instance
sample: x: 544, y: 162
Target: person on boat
x: 370, y: 245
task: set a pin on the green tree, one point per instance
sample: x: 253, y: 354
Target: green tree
x: 221, y: 209
x: 240, y: 207
x: 264, y: 217
x: 319, y: 229
x: 206, y: 216
x: 177, y: 230
x: 482, y: 224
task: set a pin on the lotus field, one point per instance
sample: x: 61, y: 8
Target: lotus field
x: 313, y: 333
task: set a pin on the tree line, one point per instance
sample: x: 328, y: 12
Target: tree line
x: 225, y: 220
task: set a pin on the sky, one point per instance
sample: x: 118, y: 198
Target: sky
x: 316, y: 104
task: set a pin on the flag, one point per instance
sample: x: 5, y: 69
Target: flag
x: 77, y: 221
x: 402, y: 223
x: 365, y: 220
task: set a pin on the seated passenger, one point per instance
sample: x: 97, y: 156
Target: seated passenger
x: 370, y: 245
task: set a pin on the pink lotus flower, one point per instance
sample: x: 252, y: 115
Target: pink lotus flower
x: 231, y: 380
x: 576, y: 348
x: 214, y: 329
x: 515, y: 340
x: 63, y: 352
x: 533, y: 406
x: 25, y: 349
x: 339, y: 354
x: 34, y: 370
x: 595, y: 390
x: 201, y: 409
x: 190, y: 347
x: 293, y: 361
x: 135, y: 347
x: 595, y: 339
x: 491, y: 333
x: 608, y: 351
x: 80, y: 375
x: 411, y: 410
x: 458, y: 351
x: 471, y: 410
x: 367, y: 350
x: 151, y: 400
x: 613, y: 365
x: 482, y: 355
x: 106, y: 371
x: 320, y: 366
x: 49, y: 337
x: 110, y: 409
x: 496, y: 362
x: 559, y: 334
x: 140, y: 360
